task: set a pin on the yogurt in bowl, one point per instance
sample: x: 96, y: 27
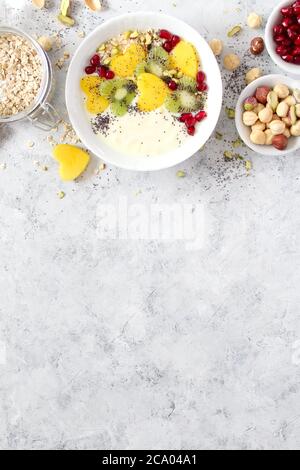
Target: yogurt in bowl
x: 151, y: 105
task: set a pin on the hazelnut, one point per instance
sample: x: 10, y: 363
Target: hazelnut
x: 231, y: 62
x: 295, y: 129
x: 287, y: 121
x: 262, y: 94
x: 287, y: 133
x: 282, y: 91
x: 257, y: 46
x: 258, y: 138
x: 249, y: 118
x: 269, y: 137
x: 252, y: 75
x: 280, y: 142
x: 275, y: 118
x: 266, y: 115
x: 254, y: 21
x: 216, y: 46
x: 259, y: 126
x: 290, y: 100
x: 277, y: 127
x: 250, y: 103
x: 258, y: 108
x: 282, y: 110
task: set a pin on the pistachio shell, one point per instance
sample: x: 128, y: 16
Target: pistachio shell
x: 235, y: 30
x: 66, y: 20
x: 64, y: 7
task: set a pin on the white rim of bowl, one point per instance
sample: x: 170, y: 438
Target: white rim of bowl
x: 258, y: 149
x: 270, y: 43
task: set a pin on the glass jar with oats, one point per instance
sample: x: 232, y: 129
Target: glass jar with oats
x: 25, y: 81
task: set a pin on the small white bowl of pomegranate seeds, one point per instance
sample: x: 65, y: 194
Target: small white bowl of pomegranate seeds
x: 283, y: 36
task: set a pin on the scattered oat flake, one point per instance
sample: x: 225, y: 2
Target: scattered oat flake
x: 181, y: 174
x: 2, y: 166
x: 61, y: 194
x: 81, y: 34
x: 30, y: 144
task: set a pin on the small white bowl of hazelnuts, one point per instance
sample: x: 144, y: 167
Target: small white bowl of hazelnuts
x: 268, y: 115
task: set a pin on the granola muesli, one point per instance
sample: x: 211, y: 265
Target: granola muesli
x: 20, y: 74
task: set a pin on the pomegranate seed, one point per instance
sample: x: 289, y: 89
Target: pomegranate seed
x: 287, y: 43
x: 202, y: 87
x: 287, y: 11
x: 173, y: 85
x: 295, y: 27
x: 190, y: 122
x: 191, y: 130
x: 90, y: 69
x: 287, y: 22
x: 297, y: 40
x: 185, y: 116
x: 297, y: 60
x: 200, y: 116
x: 297, y: 10
x: 296, y: 51
x: 102, y: 71
x: 296, y: 4
x: 298, y: 19
x: 288, y: 58
x: 279, y: 39
x: 164, y: 34
x: 95, y: 60
x: 110, y: 75
x: 168, y: 46
x: 282, y: 50
x: 292, y: 34
x: 278, y: 29
x: 175, y: 40
x: 201, y: 77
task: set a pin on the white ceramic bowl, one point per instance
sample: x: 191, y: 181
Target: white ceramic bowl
x: 75, y: 102
x: 273, y: 20
x: 271, y: 81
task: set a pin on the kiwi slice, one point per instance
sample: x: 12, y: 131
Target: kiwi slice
x: 187, y: 83
x: 156, y: 68
x: 158, y: 54
x: 141, y: 68
x: 119, y: 108
x: 120, y: 93
x: 182, y: 101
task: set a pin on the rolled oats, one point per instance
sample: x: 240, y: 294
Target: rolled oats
x: 20, y: 74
